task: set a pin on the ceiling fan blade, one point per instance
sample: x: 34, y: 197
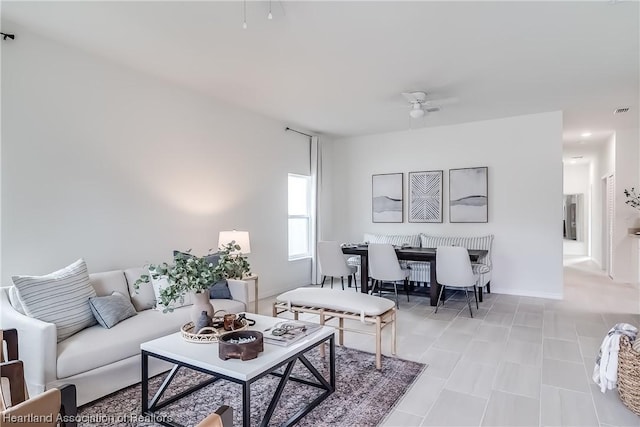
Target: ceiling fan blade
x: 409, y: 97
x: 440, y: 102
x: 432, y: 109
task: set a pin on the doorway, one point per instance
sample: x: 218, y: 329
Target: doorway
x: 608, y: 214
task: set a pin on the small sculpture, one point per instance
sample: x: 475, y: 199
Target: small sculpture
x: 203, y: 321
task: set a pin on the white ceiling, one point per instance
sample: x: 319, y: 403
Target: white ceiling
x: 338, y: 67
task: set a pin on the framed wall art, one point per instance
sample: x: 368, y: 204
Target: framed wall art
x: 468, y: 195
x: 386, y: 197
x: 425, y: 196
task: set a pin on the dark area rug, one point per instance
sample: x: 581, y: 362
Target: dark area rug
x: 363, y: 395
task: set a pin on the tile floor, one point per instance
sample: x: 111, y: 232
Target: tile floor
x: 520, y: 361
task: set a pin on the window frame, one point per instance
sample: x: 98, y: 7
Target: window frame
x: 308, y: 217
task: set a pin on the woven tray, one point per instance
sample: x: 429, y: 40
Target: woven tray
x: 213, y: 335
x: 629, y: 375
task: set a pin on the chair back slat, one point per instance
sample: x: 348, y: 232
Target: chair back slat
x: 9, y: 339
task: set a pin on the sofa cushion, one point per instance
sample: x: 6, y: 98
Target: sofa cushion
x: 61, y: 297
x: 109, y: 281
x: 96, y: 346
x: 227, y: 305
x: 411, y: 240
x: 111, y: 309
x: 143, y: 298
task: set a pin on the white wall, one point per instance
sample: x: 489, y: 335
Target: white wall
x: 525, y: 191
x: 603, y: 165
x: 576, y: 181
x: 626, y: 257
x: 104, y: 163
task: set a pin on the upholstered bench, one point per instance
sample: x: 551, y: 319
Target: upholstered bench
x: 336, y: 304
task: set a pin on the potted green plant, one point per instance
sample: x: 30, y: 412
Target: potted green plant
x: 187, y: 274
x: 633, y: 198
x: 232, y: 264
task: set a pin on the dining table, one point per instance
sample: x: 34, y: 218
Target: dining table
x: 406, y: 254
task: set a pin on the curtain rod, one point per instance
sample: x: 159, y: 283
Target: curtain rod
x: 297, y: 131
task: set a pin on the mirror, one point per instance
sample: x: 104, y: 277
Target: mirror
x: 572, y: 219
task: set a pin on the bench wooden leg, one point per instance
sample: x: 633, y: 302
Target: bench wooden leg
x: 378, y: 343
x: 341, y: 334
x: 393, y: 332
x: 275, y: 310
x: 295, y: 315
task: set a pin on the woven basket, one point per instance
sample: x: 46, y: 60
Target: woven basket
x: 212, y: 335
x: 629, y: 375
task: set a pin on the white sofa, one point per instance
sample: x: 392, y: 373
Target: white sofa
x: 97, y: 360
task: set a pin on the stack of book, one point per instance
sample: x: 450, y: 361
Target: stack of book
x: 287, y: 332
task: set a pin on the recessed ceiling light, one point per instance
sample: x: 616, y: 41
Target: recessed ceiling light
x: 586, y: 134
x: 573, y: 162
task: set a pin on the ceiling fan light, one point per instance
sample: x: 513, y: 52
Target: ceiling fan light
x: 416, y: 113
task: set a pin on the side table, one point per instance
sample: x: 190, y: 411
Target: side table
x: 254, y: 277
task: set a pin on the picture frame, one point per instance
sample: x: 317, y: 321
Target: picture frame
x: 468, y: 195
x: 387, y: 202
x: 425, y: 196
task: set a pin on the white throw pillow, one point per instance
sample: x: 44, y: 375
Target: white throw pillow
x: 61, y: 297
x: 158, y: 285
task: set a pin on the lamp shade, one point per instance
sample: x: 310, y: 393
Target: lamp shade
x: 240, y: 237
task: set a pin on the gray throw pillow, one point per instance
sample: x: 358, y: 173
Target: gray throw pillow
x: 112, y: 309
x: 220, y: 290
x: 211, y: 258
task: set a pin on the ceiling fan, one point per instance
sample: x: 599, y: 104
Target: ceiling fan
x: 420, y: 104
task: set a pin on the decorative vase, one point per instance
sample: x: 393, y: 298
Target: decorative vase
x: 201, y: 303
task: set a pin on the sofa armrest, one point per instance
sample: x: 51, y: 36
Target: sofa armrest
x: 239, y: 290
x: 37, y: 343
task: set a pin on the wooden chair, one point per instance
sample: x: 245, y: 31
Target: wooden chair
x: 16, y: 408
x: 223, y: 417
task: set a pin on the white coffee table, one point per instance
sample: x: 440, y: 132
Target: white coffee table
x: 204, y: 358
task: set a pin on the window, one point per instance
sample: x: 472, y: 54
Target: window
x: 299, y: 216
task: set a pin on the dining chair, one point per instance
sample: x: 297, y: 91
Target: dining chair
x: 453, y: 270
x: 333, y: 264
x: 385, y: 268
x: 16, y: 407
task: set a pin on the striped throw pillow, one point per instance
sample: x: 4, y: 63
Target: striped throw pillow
x: 61, y: 297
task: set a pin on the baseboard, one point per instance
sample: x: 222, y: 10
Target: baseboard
x: 535, y: 294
